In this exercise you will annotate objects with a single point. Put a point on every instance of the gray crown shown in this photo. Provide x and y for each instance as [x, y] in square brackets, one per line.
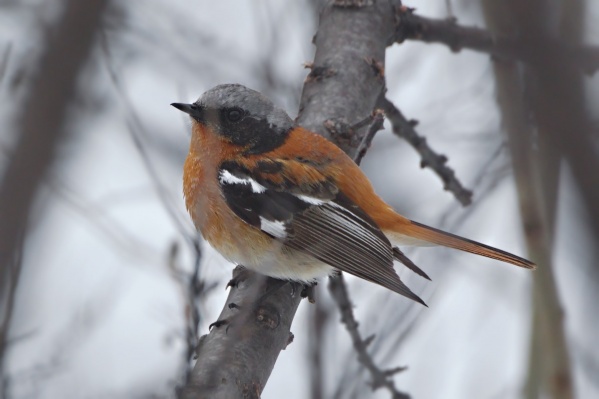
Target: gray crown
[256, 104]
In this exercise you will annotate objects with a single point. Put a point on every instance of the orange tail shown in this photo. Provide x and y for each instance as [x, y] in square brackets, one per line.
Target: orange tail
[438, 237]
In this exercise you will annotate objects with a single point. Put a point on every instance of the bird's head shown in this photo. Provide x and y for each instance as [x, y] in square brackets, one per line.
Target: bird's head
[240, 116]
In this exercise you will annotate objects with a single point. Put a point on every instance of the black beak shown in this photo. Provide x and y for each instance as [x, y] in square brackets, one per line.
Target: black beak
[191, 109]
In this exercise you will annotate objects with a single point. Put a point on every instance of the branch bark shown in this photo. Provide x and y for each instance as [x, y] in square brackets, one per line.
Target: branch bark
[342, 87]
[236, 359]
[504, 46]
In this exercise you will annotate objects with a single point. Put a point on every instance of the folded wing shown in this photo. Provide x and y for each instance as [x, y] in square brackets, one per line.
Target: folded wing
[312, 216]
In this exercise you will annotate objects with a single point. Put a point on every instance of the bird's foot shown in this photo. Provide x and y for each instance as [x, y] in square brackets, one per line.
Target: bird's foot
[226, 321]
[218, 324]
[239, 276]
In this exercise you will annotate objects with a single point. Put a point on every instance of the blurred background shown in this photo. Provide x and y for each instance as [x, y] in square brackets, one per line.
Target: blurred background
[100, 308]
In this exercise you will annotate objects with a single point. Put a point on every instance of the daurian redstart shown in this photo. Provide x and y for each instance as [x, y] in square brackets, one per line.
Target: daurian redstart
[287, 203]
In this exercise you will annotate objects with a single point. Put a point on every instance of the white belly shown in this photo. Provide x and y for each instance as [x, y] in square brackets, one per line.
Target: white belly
[279, 262]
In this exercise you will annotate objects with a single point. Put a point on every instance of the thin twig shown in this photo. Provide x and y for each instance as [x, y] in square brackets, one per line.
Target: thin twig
[380, 378]
[376, 123]
[404, 128]
[321, 316]
[458, 37]
[193, 290]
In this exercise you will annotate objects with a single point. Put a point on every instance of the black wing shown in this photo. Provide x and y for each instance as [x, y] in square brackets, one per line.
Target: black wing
[314, 218]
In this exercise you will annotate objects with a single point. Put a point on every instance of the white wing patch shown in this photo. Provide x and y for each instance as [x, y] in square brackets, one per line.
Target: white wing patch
[227, 178]
[275, 228]
[310, 200]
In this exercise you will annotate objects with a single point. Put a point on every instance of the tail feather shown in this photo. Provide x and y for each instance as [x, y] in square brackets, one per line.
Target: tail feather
[429, 234]
[401, 257]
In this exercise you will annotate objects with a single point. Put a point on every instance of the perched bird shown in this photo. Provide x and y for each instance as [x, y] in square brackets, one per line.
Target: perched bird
[287, 203]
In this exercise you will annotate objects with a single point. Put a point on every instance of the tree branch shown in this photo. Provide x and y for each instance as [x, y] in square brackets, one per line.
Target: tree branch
[380, 378]
[236, 358]
[457, 37]
[405, 129]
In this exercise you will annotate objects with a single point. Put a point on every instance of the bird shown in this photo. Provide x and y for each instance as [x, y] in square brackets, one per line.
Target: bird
[287, 203]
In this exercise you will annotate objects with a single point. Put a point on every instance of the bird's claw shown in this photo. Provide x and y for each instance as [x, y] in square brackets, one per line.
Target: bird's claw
[238, 278]
[218, 323]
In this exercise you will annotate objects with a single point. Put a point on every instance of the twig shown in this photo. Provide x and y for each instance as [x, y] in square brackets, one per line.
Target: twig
[193, 290]
[405, 129]
[321, 315]
[376, 123]
[457, 37]
[380, 378]
[350, 135]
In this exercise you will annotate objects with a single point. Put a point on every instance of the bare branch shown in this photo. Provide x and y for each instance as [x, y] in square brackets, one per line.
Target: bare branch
[236, 358]
[405, 129]
[457, 37]
[320, 317]
[380, 378]
[193, 291]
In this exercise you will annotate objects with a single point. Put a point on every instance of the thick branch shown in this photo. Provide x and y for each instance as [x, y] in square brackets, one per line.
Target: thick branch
[404, 128]
[236, 358]
[347, 74]
[511, 48]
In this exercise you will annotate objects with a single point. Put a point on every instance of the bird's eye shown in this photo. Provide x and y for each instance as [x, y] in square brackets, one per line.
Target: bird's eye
[234, 115]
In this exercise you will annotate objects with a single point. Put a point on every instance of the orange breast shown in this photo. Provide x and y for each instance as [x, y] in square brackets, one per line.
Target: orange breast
[227, 233]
